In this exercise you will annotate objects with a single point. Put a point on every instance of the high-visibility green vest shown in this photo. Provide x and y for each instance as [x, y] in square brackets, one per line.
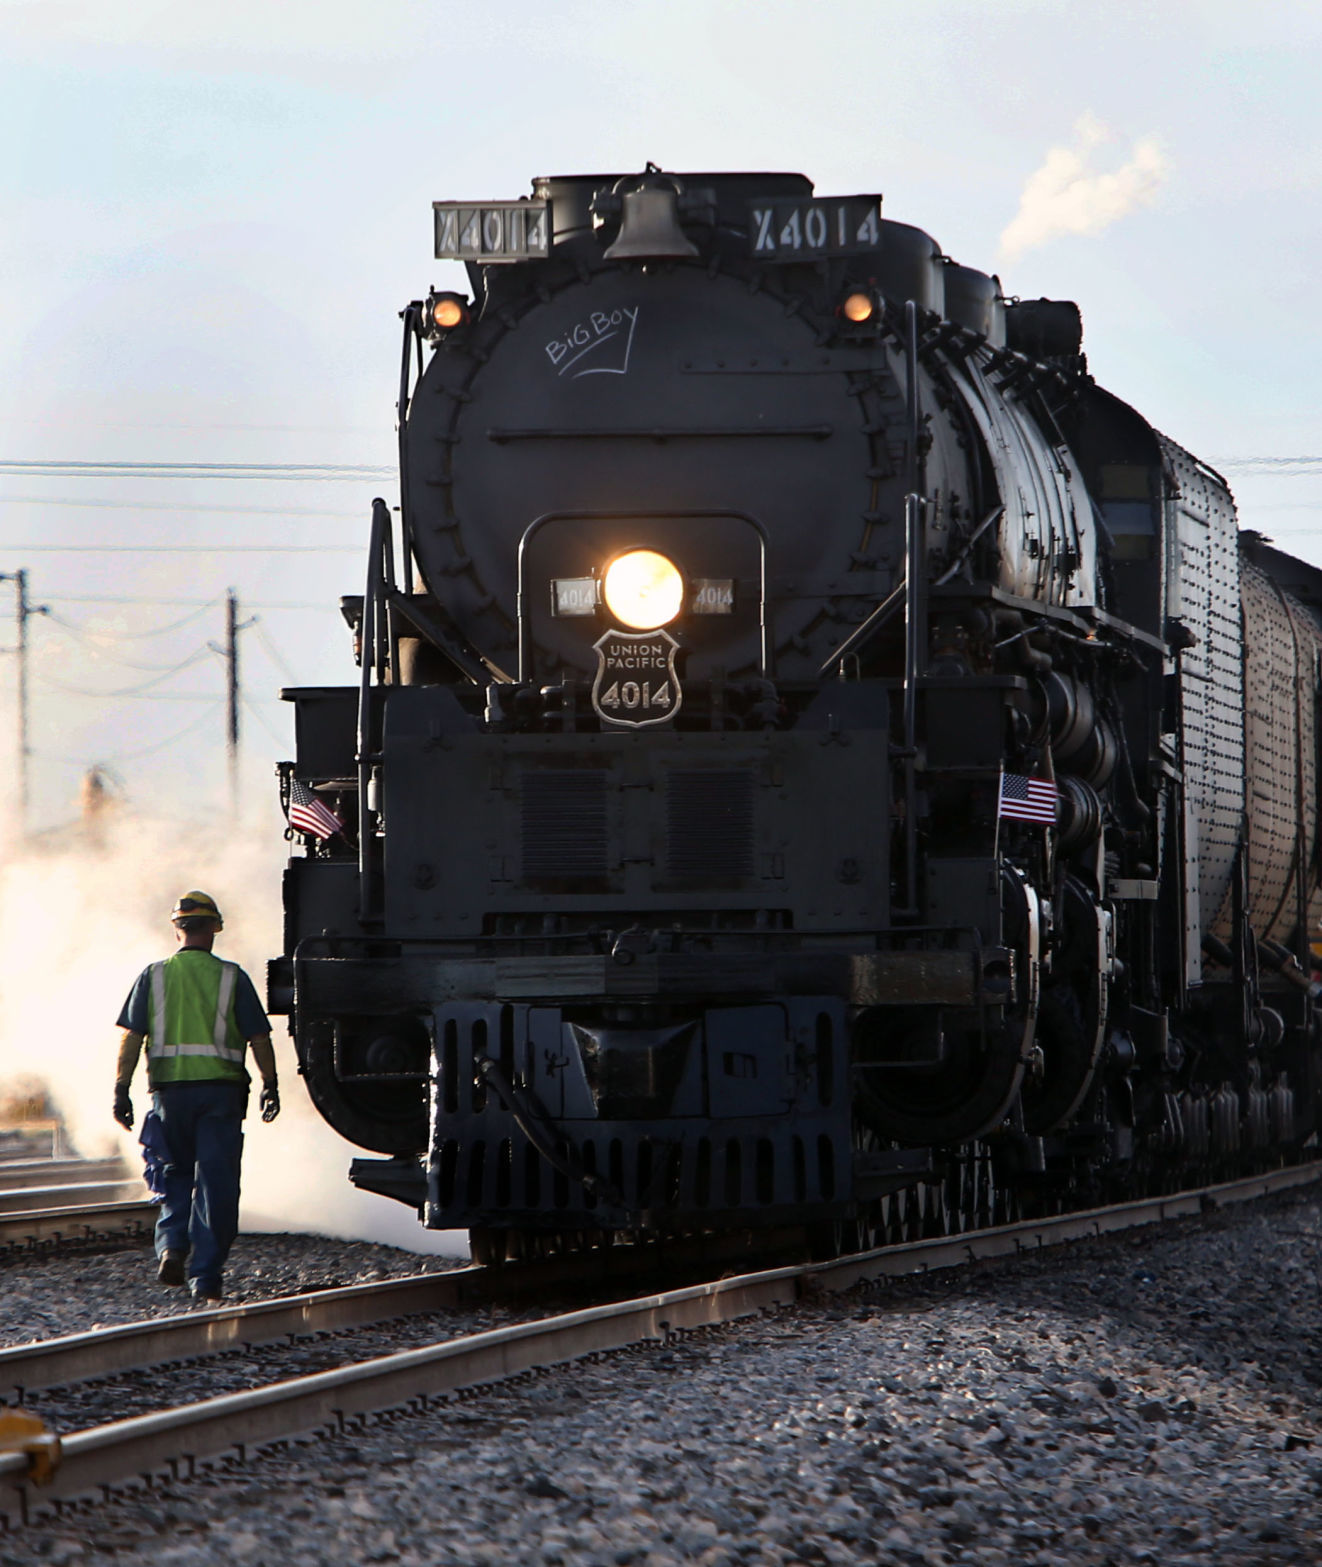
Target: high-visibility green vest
[192, 1035]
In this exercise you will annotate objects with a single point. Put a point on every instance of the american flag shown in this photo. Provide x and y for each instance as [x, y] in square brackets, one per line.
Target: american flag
[1027, 799]
[308, 814]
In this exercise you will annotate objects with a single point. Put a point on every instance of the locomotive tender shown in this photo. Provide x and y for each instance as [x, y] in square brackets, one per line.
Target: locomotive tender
[819, 760]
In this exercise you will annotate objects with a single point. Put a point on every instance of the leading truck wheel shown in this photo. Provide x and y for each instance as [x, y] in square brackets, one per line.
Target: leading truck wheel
[963, 1096]
[928, 1076]
[383, 1117]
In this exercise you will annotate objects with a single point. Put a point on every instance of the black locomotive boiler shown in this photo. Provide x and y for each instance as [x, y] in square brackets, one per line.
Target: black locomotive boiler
[819, 761]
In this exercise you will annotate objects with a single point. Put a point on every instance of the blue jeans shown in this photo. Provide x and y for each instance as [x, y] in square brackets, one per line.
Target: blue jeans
[203, 1126]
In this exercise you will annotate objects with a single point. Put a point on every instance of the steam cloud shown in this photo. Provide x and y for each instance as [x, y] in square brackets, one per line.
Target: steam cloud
[81, 913]
[1067, 196]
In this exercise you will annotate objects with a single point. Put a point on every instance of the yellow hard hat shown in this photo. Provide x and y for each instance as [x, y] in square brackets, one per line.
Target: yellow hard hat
[197, 905]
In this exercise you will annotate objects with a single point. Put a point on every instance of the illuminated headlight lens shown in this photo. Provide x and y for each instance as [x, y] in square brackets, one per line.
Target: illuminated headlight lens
[643, 590]
[859, 308]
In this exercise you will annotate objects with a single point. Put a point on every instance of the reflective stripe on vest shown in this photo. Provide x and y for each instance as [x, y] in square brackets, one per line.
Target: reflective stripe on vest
[180, 1017]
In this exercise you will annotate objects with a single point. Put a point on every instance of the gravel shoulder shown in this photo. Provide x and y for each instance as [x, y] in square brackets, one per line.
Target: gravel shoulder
[1148, 1398]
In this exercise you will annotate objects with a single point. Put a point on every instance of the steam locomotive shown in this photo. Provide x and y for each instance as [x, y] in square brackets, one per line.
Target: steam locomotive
[819, 762]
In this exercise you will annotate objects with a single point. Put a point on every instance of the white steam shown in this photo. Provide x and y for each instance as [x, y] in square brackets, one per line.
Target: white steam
[1068, 196]
[81, 913]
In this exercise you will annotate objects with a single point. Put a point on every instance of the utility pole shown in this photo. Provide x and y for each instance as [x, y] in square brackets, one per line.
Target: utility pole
[24, 611]
[230, 653]
[232, 693]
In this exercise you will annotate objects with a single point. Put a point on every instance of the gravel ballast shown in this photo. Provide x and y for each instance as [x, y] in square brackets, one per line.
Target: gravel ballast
[49, 1295]
[1146, 1398]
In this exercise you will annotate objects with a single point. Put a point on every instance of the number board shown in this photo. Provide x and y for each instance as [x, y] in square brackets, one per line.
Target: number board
[818, 226]
[496, 231]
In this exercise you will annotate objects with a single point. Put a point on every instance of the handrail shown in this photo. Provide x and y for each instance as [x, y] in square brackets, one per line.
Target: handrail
[379, 653]
[866, 629]
[412, 336]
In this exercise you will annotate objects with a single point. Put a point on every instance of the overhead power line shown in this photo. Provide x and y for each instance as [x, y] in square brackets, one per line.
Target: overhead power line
[161, 745]
[194, 470]
[283, 429]
[102, 634]
[94, 646]
[103, 598]
[281, 740]
[126, 691]
[182, 549]
[178, 507]
[165, 696]
[274, 653]
[236, 699]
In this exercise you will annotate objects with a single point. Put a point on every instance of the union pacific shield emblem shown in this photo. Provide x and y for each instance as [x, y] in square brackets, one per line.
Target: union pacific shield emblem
[636, 684]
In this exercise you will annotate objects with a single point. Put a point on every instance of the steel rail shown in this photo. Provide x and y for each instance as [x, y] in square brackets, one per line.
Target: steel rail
[1008, 1240]
[61, 1172]
[37, 1226]
[89, 1194]
[157, 1341]
[26, 1140]
[78, 1357]
[176, 1440]
[191, 1335]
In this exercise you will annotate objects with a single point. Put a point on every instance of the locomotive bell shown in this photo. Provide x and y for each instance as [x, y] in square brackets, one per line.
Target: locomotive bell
[649, 226]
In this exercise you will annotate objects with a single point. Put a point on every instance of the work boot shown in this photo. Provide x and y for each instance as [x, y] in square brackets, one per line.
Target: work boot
[205, 1292]
[171, 1270]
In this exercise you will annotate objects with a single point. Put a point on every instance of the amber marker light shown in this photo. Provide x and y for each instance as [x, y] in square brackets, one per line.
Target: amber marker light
[858, 308]
[448, 311]
[643, 589]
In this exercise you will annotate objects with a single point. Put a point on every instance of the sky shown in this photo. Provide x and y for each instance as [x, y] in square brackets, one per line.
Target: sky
[212, 216]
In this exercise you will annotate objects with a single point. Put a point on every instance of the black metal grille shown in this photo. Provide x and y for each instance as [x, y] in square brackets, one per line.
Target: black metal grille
[564, 824]
[709, 821]
[683, 1174]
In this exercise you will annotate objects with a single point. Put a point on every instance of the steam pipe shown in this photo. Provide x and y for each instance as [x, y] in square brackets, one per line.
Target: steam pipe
[915, 611]
[915, 637]
[915, 606]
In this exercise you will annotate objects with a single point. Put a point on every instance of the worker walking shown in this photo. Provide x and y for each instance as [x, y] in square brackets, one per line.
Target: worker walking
[197, 1015]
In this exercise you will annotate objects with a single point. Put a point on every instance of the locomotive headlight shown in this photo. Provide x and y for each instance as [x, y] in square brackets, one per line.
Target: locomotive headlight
[858, 307]
[643, 589]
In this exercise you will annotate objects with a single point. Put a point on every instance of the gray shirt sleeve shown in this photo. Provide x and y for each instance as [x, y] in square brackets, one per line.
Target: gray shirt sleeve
[249, 1013]
[134, 1013]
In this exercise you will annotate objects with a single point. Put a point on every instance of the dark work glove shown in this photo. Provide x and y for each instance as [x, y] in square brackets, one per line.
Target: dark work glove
[124, 1109]
[270, 1103]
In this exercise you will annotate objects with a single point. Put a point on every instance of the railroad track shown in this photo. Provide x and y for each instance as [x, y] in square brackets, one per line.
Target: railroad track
[130, 1219]
[32, 1140]
[60, 1201]
[43, 1471]
[90, 1194]
[18, 1173]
